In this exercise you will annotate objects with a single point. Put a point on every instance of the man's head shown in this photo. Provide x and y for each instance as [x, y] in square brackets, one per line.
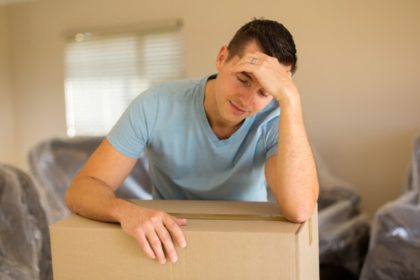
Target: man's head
[239, 94]
[272, 38]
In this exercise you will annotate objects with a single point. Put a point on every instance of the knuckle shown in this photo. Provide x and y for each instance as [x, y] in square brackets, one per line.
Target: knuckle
[160, 214]
[157, 217]
[177, 231]
[146, 226]
[154, 219]
[166, 240]
[155, 243]
[138, 231]
[170, 252]
[171, 224]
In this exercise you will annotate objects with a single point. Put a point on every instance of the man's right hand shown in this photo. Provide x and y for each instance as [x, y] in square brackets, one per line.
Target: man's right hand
[91, 194]
[155, 231]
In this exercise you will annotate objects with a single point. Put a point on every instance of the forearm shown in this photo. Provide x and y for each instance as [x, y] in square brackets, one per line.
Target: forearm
[93, 199]
[296, 184]
[154, 230]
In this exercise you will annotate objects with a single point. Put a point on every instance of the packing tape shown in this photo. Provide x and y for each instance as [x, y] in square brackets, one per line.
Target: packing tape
[310, 230]
[231, 217]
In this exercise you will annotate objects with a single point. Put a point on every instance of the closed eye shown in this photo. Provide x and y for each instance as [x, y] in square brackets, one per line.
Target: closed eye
[243, 81]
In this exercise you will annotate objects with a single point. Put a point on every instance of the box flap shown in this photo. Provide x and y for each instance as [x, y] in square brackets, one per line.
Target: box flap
[235, 211]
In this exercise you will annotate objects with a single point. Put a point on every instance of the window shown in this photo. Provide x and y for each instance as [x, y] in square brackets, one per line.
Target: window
[104, 72]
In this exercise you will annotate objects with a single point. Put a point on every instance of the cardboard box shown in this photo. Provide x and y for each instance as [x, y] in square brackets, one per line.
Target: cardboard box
[226, 240]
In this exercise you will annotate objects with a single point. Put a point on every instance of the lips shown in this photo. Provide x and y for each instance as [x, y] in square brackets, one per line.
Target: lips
[237, 109]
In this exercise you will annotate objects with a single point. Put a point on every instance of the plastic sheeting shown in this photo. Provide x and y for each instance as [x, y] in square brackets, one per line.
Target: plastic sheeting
[24, 239]
[345, 244]
[343, 229]
[343, 237]
[394, 251]
[332, 188]
[55, 162]
[395, 245]
[413, 182]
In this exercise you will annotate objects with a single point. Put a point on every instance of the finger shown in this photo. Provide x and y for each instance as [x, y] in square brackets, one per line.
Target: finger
[156, 245]
[175, 231]
[166, 239]
[180, 221]
[255, 58]
[249, 60]
[144, 244]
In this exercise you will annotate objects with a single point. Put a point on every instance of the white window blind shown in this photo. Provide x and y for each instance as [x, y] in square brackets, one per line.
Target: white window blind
[105, 72]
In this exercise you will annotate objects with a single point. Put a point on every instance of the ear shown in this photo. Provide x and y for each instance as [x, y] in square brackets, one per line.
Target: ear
[221, 56]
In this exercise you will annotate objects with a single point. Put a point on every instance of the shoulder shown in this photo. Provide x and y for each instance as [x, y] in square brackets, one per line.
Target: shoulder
[166, 93]
[176, 89]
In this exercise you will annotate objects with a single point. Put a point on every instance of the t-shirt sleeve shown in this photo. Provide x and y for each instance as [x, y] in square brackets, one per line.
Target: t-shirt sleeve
[272, 138]
[132, 131]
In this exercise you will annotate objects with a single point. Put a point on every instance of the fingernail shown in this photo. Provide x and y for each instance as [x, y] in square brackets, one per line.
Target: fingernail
[183, 244]
[162, 261]
[174, 259]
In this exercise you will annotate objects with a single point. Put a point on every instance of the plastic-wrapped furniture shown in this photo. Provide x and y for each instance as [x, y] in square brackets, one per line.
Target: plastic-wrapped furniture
[344, 239]
[413, 181]
[54, 163]
[24, 240]
[343, 229]
[332, 188]
[394, 250]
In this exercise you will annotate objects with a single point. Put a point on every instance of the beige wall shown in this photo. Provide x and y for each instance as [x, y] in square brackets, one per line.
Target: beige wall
[358, 71]
[7, 127]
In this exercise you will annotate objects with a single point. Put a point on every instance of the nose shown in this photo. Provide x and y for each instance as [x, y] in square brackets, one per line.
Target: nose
[247, 98]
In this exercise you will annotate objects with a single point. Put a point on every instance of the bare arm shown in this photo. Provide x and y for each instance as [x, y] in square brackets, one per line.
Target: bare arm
[291, 173]
[91, 194]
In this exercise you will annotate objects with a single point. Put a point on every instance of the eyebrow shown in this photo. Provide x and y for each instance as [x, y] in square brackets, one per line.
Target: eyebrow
[247, 75]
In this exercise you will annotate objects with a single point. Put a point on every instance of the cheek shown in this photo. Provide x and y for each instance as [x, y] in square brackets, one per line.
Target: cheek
[260, 103]
[233, 86]
[230, 90]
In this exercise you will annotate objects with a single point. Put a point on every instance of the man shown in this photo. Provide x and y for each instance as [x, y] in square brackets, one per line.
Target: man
[218, 138]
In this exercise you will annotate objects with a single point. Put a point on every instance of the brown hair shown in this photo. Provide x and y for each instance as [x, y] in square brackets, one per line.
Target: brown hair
[271, 36]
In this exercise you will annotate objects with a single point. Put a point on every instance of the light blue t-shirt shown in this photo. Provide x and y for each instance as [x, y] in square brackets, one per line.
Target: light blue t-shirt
[186, 158]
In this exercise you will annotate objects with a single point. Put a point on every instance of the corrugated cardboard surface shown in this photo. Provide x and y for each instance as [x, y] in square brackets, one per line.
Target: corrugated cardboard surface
[217, 249]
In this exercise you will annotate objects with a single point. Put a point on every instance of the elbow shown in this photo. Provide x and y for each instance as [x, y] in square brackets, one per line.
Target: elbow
[299, 217]
[299, 211]
[298, 214]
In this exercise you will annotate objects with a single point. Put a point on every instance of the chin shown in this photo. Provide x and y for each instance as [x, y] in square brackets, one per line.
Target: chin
[237, 119]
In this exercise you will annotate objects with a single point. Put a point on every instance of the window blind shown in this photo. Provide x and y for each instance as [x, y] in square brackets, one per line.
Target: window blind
[105, 72]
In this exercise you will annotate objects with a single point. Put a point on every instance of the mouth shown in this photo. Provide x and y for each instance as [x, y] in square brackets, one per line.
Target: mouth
[237, 109]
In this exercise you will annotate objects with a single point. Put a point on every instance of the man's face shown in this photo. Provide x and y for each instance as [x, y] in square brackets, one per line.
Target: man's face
[238, 95]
